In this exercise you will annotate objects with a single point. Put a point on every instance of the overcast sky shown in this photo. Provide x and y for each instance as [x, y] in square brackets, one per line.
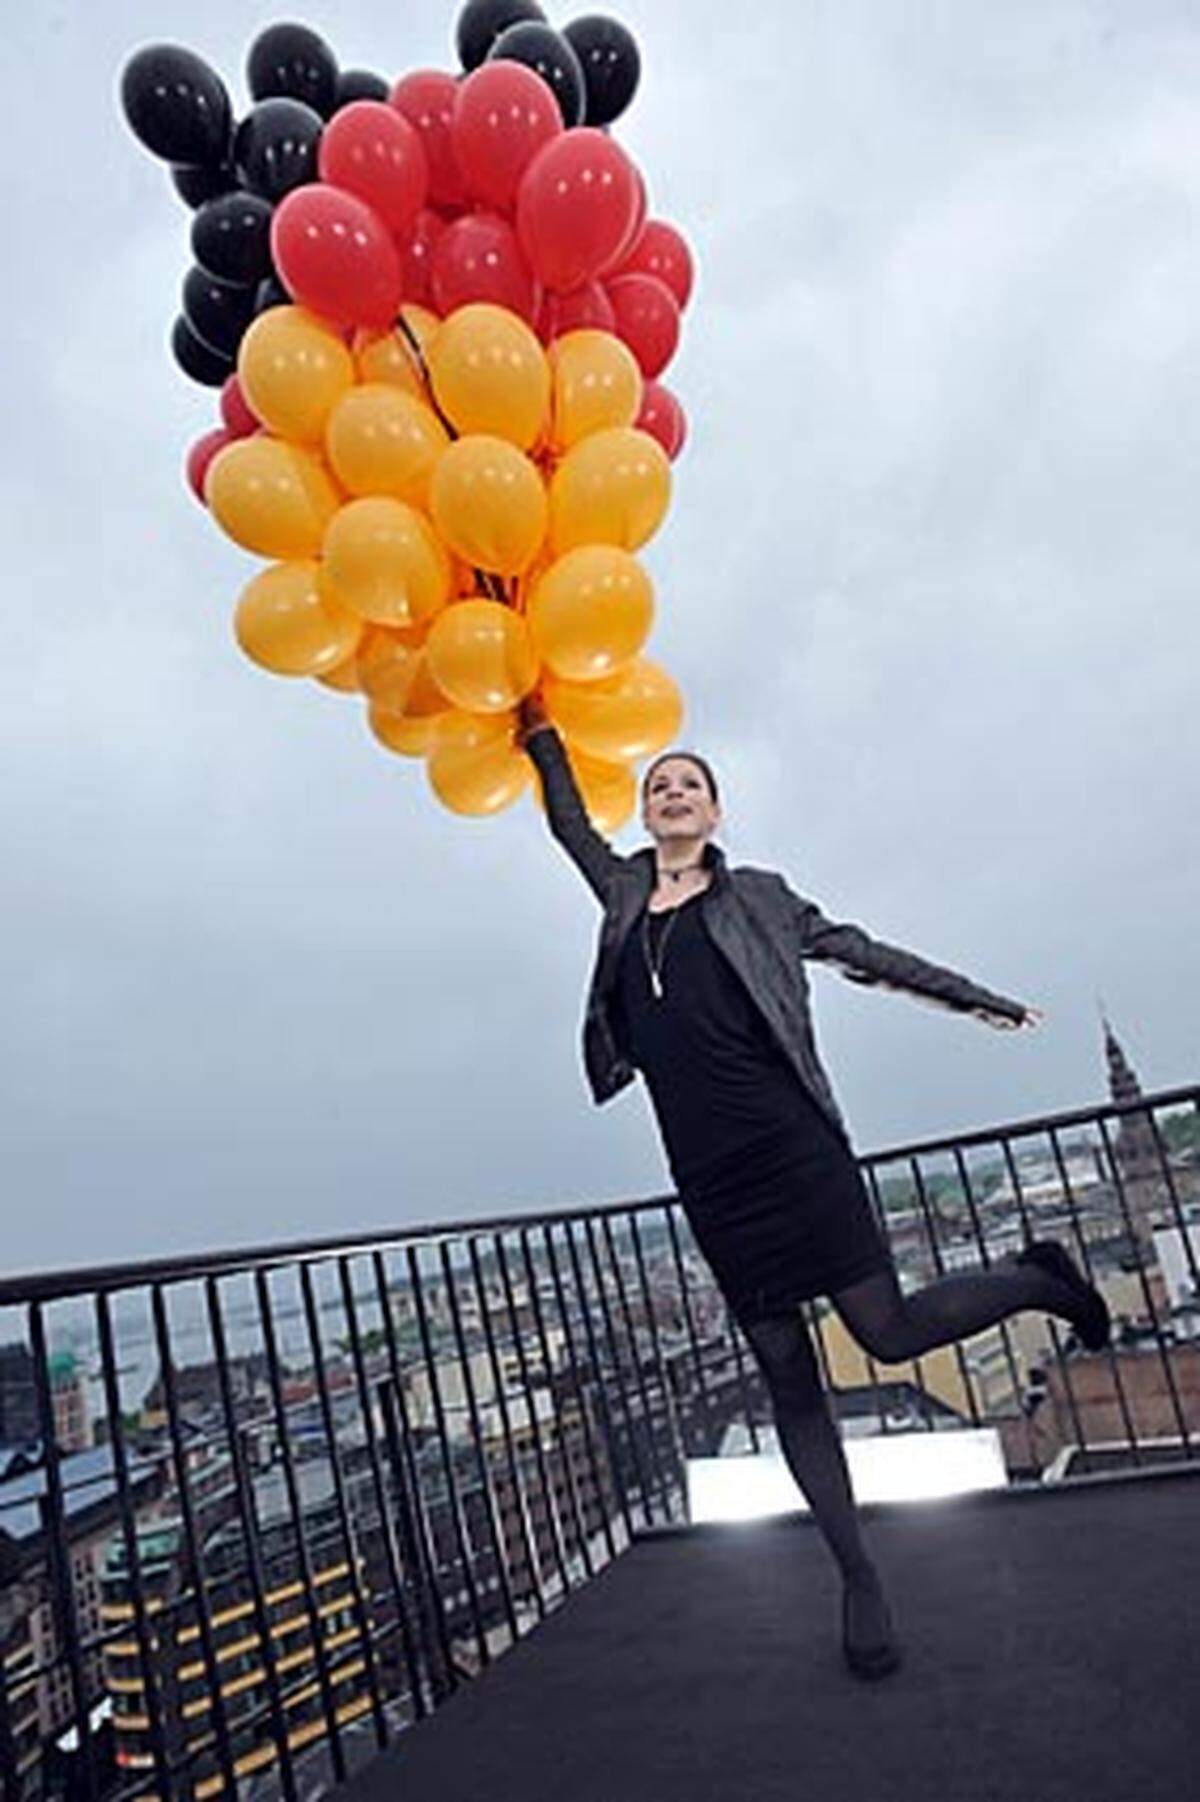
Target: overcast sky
[929, 585]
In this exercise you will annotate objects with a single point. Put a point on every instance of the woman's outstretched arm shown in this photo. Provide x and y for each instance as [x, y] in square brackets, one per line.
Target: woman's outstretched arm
[566, 814]
[860, 958]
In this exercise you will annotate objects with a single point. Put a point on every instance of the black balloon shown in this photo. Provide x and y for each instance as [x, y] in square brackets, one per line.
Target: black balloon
[195, 358]
[218, 312]
[270, 293]
[275, 147]
[292, 62]
[196, 184]
[231, 237]
[176, 105]
[611, 65]
[359, 84]
[549, 54]
[481, 21]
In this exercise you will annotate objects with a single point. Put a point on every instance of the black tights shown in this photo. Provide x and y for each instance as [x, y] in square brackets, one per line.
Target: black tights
[889, 1326]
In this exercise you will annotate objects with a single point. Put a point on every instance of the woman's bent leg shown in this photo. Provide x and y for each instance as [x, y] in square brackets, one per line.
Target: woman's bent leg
[890, 1325]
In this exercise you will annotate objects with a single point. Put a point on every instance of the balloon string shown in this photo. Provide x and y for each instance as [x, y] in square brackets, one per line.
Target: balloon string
[491, 585]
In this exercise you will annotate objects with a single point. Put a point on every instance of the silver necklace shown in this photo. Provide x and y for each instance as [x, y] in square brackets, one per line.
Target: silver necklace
[654, 969]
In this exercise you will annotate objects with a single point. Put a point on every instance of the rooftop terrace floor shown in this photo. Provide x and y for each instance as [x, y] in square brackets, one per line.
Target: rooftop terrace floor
[1052, 1640]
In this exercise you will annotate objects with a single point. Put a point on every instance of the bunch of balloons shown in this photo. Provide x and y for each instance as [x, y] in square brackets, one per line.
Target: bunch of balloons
[437, 318]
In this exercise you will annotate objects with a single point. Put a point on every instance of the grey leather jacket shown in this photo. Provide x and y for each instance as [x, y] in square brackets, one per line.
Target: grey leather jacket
[765, 929]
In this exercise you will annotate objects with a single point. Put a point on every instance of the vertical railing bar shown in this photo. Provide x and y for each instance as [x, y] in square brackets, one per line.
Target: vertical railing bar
[112, 1395]
[600, 1381]
[1059, 1357]
[1176, 1206]
[627, 1407]
[1014, 1375]
[660, 1363]
[247, 1516]
[885, 1426]
[457, 1510]
[481, 1463]
[938, 1264]
[514, 1473]
[394, 1556]
[312, 1608]
[584, 1412]
[195, 1548]
[568, 1465]
[606, 1226]
[63, 1611]
[553, 1521]
[686, 1303]
[1159, 1341]
[1081, 1243]
[421, 1571]
[13, 1784]
[349, 1540]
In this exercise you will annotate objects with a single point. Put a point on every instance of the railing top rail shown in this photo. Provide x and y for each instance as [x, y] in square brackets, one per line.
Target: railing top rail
[60, 1285]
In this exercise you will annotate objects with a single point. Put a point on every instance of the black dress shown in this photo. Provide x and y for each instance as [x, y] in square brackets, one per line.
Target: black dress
[771, 1190]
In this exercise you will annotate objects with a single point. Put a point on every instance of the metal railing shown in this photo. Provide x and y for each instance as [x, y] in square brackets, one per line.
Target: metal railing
[276, 1504]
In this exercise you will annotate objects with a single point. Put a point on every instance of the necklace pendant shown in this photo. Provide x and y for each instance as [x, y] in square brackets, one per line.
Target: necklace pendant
[656, 985]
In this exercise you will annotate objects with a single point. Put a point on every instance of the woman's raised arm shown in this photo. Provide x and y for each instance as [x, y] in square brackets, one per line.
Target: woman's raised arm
[566, 814]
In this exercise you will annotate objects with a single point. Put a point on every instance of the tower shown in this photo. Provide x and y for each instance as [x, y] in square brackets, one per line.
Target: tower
[1138, 1159]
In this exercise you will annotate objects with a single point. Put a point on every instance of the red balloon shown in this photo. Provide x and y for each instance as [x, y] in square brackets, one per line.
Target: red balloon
[235, 409]
[416, 255]
[201, 455]
[613, 265]
[663, 417]
[647, 319]
[426, 99]
[335, 257]
[503, 114]
[661, 250]
[478, 258]
[373, 151]
[576, 206]
[583, 309]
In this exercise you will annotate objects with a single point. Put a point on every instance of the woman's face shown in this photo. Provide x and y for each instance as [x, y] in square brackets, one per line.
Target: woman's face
[676, 802]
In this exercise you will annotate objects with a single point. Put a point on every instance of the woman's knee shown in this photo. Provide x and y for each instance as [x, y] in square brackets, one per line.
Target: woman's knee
[784, 1353]
[877, 1315]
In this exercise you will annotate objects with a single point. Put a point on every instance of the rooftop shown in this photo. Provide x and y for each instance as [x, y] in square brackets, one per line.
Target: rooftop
[1049, 1637]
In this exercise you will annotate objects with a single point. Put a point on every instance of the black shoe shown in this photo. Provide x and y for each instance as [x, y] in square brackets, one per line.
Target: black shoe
[877, 1659]
[1089, 1315]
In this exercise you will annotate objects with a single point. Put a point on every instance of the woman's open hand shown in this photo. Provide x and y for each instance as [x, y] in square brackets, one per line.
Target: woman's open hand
[1002, 1023]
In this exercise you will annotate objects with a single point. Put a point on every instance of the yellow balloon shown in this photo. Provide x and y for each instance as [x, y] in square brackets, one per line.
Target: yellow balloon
[474, 765]
[271, 497]
[380, 440]
[591, 612]
[488, 504]
[389, 356]
[401, 732]
[597, 385]
[612, 488]
[490, 374]
[343, 677]
[387, 665]
[384, 561]
[293, 369]
[287, 621]
[631, 714]
[608, 790]
[481, 655]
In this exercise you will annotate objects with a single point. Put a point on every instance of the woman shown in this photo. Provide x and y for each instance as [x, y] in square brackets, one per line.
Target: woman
[699, 984]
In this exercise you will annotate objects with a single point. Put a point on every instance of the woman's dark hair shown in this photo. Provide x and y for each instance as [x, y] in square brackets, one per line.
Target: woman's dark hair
[692, 757]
